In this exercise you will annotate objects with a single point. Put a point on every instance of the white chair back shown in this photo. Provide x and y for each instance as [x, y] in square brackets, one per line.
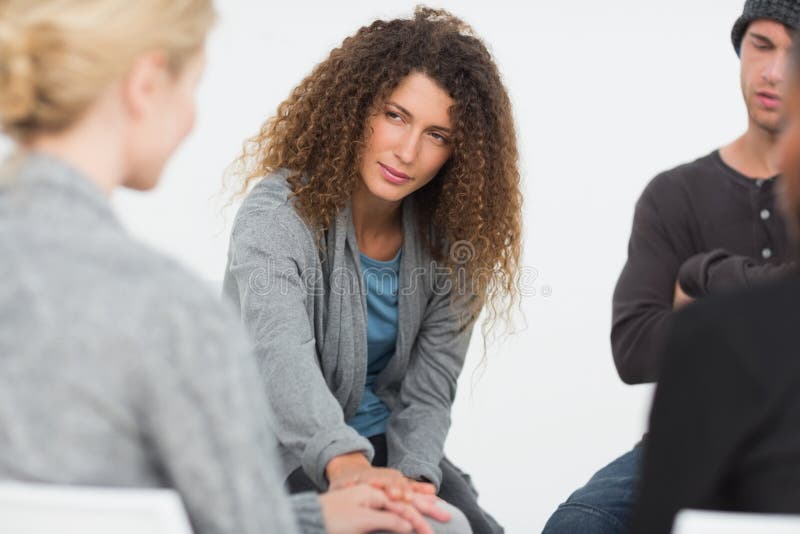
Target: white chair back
[704, 522]
[45, 509]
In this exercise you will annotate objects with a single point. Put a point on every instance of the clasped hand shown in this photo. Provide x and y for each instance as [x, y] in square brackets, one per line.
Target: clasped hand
[363, 498]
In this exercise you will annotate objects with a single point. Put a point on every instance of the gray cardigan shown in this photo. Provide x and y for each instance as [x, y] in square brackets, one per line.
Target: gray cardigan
[305, 307]
[119, 368]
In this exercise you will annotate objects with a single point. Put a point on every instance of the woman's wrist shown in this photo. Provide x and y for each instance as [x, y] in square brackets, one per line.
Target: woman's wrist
[344, 463]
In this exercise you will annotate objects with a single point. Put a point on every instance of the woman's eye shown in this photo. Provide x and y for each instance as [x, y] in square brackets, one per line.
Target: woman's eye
[439, 138]
[394, 116]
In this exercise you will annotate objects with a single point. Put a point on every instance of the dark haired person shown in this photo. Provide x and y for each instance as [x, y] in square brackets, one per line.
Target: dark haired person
[723, 429]
[702, 228]
[385, 215]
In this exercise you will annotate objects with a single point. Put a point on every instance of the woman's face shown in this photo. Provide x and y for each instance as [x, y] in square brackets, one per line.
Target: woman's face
[165, 119]
[408, 140]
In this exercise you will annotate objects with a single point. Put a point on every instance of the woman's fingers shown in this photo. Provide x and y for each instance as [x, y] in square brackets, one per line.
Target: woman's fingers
[373, 497]
[360, 510]
[404, 489]
[410, 514]
[378, 502]
[397, 492]
[429, 505]
[372, 520]
[393, 483]
[423, 487]
[396, 485]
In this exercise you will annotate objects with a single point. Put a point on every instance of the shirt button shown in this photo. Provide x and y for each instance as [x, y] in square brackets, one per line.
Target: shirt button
[765, 215]
[766, 253]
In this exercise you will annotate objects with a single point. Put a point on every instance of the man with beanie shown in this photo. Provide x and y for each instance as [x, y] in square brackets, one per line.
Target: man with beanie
[702, 228]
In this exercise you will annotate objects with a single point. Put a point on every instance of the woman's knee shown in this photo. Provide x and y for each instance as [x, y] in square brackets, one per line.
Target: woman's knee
[458, 523]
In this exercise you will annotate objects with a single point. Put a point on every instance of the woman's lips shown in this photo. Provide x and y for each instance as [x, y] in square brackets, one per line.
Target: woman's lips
[393, 175]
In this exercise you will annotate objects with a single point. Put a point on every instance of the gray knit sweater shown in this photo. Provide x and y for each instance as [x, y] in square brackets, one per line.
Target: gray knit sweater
[118, 368]
[305, 309]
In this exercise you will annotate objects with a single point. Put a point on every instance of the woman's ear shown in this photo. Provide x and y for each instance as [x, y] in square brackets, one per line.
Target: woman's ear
[143, 83]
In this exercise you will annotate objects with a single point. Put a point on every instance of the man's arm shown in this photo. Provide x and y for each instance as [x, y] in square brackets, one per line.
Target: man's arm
[719, 271]
[645, 291]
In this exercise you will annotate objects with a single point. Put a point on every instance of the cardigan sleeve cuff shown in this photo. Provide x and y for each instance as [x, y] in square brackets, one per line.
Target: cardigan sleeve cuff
[308, 512]
[328, 444]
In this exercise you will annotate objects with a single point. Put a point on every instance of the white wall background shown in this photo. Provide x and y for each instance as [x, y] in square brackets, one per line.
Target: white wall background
[606, 94]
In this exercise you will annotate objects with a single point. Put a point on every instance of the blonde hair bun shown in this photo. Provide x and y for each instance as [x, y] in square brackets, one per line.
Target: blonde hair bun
[17, 76]
[57, 56]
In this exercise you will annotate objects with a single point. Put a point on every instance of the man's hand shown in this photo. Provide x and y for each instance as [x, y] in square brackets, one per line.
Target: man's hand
[681, 298]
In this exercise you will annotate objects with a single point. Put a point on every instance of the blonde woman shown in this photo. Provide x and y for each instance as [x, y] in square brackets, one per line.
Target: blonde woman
[116, 366]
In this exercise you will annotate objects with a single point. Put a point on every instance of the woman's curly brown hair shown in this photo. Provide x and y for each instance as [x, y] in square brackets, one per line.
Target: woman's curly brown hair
[474, 202]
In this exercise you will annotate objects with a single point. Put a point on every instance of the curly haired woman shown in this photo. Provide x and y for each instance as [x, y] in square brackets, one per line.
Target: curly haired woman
[385, 215]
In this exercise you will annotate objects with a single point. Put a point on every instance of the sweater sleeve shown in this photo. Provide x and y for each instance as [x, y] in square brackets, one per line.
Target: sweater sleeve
[645, 291]
[308, 512]
[719, 271]
[266, 271]
[419, 423]
[705, 403]
[206, 418]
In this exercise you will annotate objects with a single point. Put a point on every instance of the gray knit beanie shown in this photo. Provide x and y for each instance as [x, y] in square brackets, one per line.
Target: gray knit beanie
[787, 12]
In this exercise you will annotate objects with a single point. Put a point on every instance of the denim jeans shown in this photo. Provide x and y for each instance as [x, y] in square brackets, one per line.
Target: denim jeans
[604, 504]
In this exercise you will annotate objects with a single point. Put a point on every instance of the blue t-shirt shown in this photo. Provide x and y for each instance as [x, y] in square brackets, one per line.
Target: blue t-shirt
[381, 282]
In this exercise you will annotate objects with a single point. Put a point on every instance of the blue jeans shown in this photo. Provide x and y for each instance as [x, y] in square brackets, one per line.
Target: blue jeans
[604, 504]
